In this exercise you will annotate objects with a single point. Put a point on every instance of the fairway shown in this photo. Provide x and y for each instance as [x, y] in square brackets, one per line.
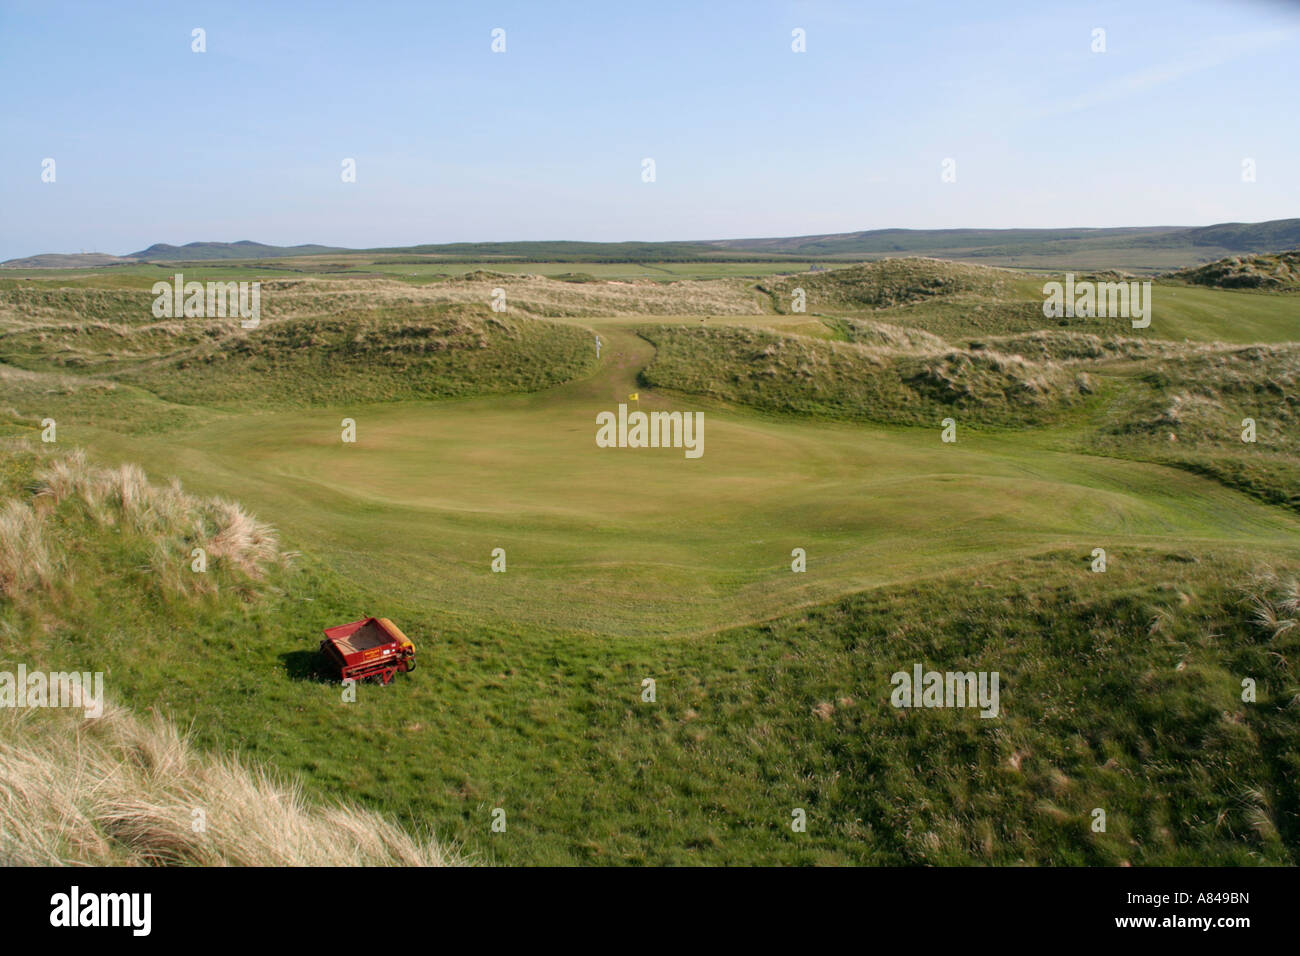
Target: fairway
[615, 542]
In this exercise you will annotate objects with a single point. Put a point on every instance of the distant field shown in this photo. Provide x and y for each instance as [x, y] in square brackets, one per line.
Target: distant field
[598, 270]
[135, 276]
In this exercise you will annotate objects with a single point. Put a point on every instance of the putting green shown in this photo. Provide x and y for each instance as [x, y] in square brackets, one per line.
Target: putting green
[647, 541]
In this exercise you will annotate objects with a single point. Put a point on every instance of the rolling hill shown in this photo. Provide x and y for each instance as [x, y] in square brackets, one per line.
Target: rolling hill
[1139, 248]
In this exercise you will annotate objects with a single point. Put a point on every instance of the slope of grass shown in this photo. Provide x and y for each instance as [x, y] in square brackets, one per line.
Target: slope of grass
[986, 302]
[1119, 691]
[888, 282]
[154, 531]
[77, 544]
[388, 355]
[910, 385]
[1190, 409]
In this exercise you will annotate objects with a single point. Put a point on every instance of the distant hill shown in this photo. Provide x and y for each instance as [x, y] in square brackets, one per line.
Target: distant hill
[244, 249]
[58, 260]
[1274, 273]
[893, 241]
[162, 252]
[1144, 248]
[1272, 236]
[1233, 237]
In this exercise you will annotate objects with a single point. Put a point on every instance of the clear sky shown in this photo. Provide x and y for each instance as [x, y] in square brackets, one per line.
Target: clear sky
[155, 143]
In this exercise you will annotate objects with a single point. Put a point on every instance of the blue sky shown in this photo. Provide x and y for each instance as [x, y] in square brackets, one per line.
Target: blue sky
[155, 143]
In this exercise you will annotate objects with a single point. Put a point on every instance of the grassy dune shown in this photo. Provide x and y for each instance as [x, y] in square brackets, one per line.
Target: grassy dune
[1272, 273]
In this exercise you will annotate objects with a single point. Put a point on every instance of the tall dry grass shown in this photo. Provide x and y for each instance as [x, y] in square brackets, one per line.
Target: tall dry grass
[25, 559]
[1274, 601]
[119, 790]
[174, 521]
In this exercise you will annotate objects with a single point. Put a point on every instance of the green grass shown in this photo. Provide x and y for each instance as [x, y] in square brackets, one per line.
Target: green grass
[1179, 312]
[651, 542]
[1118, 690]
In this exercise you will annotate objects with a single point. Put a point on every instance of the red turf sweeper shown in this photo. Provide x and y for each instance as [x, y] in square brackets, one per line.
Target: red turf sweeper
[371, 648]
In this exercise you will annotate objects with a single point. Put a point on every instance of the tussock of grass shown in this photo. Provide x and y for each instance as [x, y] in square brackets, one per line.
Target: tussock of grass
[25, 560]
[117, 790]
[1274, 600]
[887, 334]
[73, 499]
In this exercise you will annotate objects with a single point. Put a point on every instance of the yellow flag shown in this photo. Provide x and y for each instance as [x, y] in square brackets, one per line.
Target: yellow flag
[634, 397]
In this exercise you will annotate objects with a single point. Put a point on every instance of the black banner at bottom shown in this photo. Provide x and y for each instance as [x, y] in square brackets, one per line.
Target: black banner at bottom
[335, 906]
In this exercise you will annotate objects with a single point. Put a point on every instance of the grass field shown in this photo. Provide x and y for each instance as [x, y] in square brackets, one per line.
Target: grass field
[822, 432]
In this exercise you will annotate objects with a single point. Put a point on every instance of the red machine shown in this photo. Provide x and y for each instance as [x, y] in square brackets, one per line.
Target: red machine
[371, 647]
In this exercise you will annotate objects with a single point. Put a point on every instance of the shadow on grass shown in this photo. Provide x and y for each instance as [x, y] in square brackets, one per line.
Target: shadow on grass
[308, 666]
